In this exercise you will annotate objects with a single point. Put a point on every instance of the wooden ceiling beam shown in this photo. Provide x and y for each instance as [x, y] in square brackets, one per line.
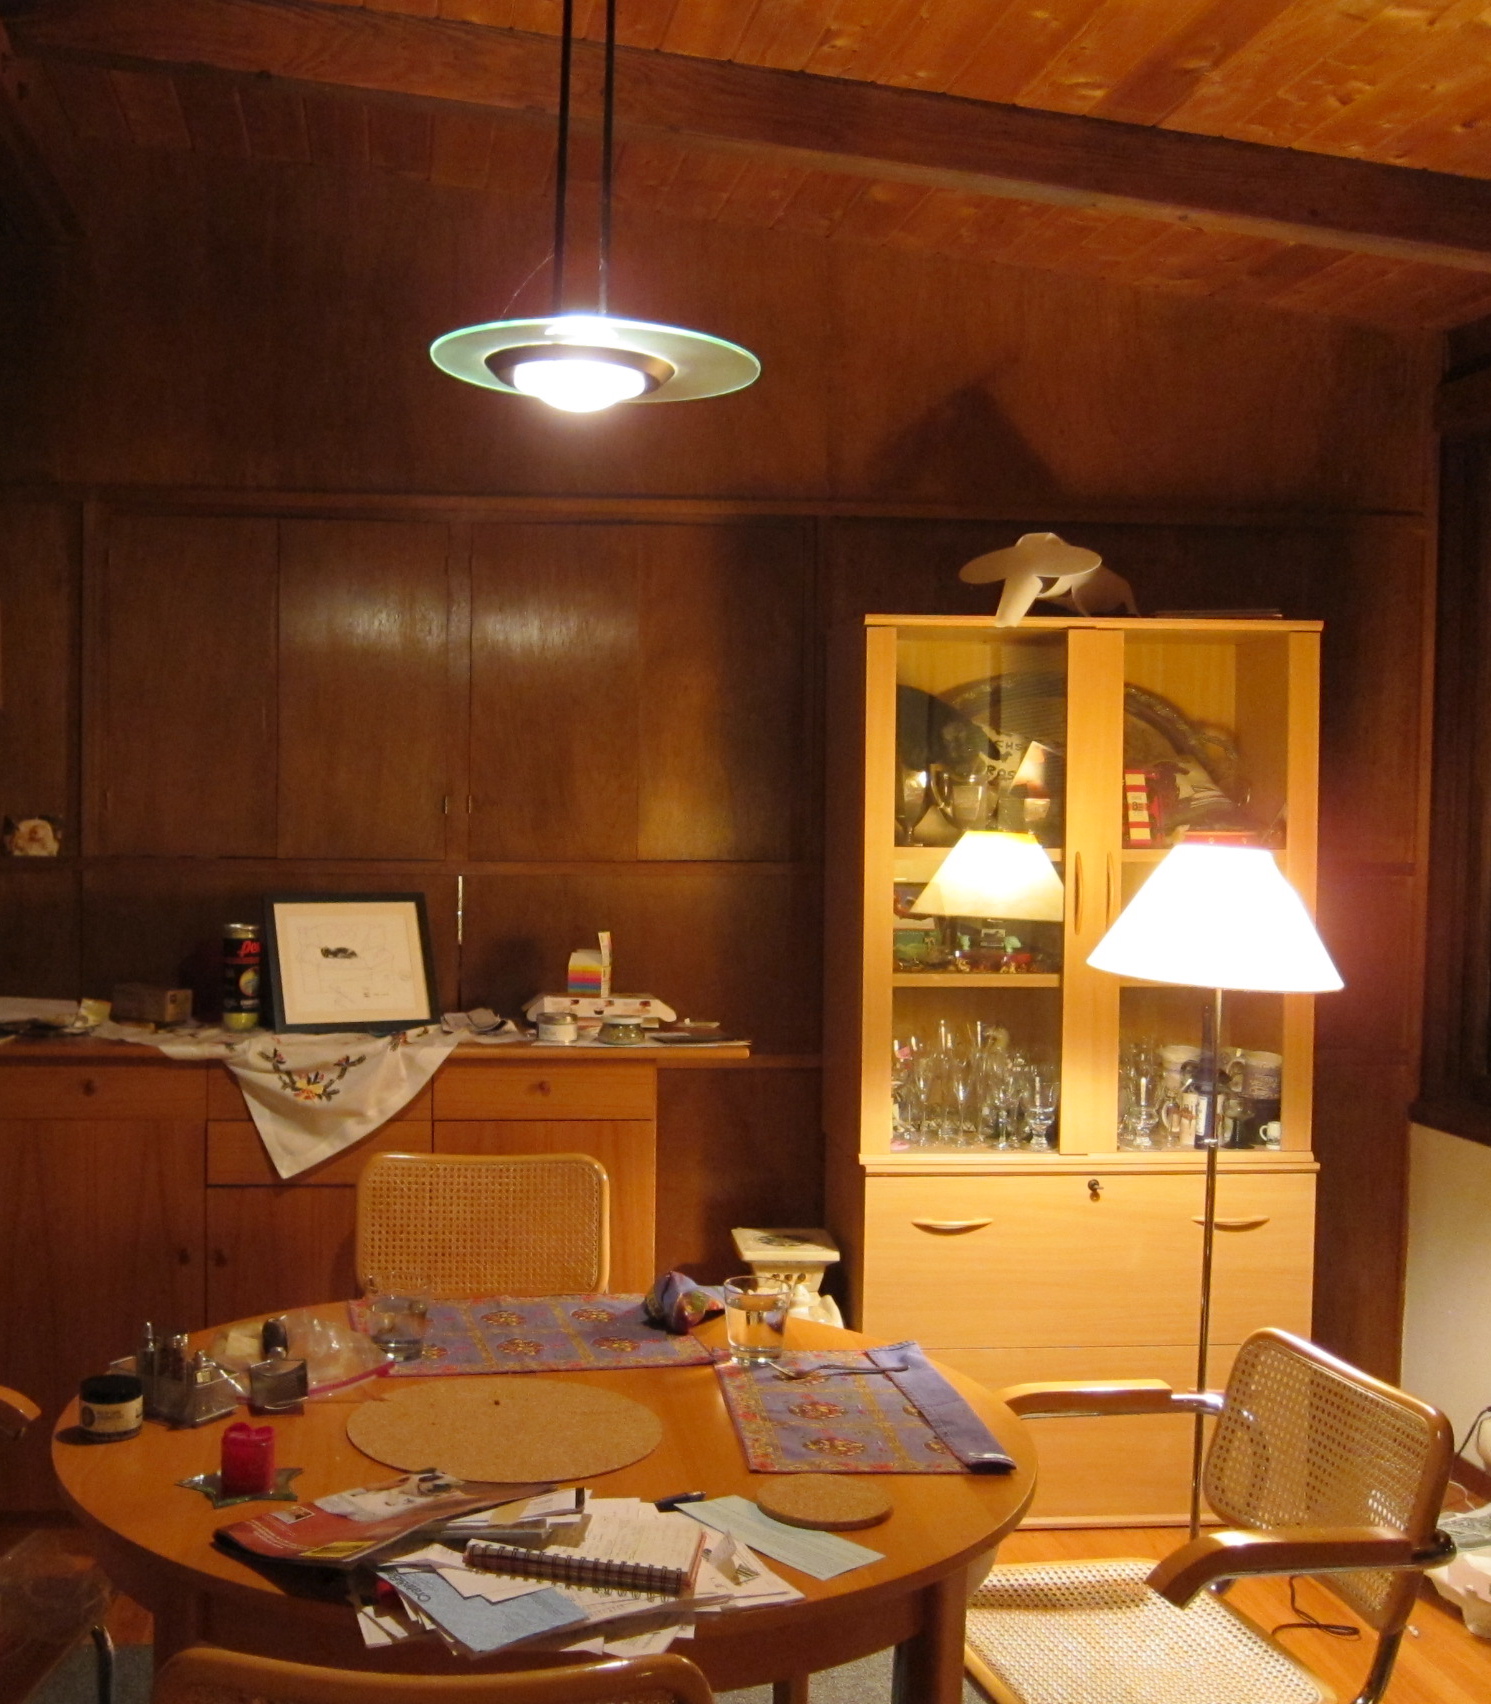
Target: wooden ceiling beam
[824, 124]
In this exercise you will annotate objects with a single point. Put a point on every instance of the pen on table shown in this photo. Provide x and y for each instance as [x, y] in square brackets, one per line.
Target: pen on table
[666, 1503]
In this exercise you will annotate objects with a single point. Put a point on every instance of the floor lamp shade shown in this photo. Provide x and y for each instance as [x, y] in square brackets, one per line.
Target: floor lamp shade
[993, 874]
[1218, 917]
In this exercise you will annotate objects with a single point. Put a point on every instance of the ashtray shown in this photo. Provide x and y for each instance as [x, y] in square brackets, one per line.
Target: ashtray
[211, 1487]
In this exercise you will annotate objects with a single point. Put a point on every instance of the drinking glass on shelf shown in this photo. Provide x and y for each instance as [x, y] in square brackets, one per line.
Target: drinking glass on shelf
[1039, 1094]
[1007, 1082]
[1141, 1090]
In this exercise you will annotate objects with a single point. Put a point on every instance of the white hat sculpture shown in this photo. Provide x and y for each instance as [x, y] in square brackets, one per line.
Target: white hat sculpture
[1043, 565]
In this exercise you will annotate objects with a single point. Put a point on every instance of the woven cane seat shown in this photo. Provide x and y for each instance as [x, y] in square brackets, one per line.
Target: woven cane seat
[1082, 1632]
[450, 1225]
[1304, 1443]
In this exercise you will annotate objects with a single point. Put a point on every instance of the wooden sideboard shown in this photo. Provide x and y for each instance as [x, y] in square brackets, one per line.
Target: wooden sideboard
[136, 1188]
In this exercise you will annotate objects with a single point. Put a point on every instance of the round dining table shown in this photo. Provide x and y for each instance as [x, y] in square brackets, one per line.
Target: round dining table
[154, 1539]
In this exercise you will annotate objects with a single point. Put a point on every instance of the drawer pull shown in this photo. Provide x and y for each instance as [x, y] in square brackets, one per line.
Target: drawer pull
[950, 1227]
[1095, 1188]
[541, 1087]
[1236, 1224]
[89, 1086]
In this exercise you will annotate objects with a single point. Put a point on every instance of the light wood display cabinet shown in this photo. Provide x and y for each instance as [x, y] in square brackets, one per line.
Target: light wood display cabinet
[999, 1189]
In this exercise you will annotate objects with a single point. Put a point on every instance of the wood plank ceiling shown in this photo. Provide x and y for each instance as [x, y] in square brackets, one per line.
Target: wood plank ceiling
[1402, 83]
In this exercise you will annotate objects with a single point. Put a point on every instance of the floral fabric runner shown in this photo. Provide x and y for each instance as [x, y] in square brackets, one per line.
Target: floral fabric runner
[537, 1334]
[838, 1423]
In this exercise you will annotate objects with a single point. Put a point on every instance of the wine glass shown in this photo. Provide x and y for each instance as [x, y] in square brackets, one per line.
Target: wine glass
[1141, 1088]
[1040, 1092]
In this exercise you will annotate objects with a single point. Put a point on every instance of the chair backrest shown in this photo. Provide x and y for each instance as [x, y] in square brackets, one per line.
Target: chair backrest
[205, 1675]
[1307, 1440]
[484, 1224]
[17, 1411]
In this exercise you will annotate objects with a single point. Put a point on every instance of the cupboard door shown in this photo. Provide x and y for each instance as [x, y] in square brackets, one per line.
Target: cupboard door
[663, 666]
[181, 715]
[364, 689]
[272, 1249]
[103, 1231]
[627, 1148]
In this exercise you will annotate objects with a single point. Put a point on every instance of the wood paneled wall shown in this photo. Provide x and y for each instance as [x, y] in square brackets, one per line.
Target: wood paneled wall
[284, 607]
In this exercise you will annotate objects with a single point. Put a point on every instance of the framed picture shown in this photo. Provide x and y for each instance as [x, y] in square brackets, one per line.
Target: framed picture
[349, 961]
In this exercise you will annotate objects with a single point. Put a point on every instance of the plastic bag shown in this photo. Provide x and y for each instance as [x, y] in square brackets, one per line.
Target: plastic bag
[334, 1352]
[50, 1590]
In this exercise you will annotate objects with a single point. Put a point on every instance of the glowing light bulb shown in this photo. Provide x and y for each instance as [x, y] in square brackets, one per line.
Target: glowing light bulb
[576, 385]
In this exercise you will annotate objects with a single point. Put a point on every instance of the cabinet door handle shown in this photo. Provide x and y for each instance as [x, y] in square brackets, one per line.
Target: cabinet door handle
[219, 1258]
[951, 1227]
[1108, 906]
[1245, 1224]
[183, 1257]
[89, 1086]
[1076, 893]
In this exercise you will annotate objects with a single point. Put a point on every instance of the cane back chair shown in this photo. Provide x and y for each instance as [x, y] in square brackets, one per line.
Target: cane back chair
[451, 1225]
[205, 1675]
[1314, 1467]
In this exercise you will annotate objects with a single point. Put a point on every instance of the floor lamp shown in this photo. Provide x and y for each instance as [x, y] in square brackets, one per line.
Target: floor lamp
[1219, 916]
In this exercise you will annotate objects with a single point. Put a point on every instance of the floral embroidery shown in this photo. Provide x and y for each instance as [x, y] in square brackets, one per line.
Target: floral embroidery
[936, 1446]
[434, 1352]
[310, 1085]
[828, 1444]
[502, 1316]
[601, 1315]
[521, 1346]
[618, 1345]
[811, 1410]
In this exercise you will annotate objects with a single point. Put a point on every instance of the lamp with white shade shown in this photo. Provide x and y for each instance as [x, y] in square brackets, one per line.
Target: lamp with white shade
[1216, 915]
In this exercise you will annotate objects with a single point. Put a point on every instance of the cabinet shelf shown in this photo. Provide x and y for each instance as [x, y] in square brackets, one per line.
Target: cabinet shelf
[974, 979]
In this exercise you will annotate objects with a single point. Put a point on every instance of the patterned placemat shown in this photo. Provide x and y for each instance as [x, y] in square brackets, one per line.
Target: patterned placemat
[832, 1423]
[533, 1334]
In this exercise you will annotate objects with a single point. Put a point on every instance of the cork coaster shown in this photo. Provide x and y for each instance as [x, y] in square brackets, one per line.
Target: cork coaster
[828, 1502]
[514, 1428]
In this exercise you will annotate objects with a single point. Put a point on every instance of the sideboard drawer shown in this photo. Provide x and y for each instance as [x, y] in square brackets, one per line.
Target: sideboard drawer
[146, 1090]
[545, 1091]
[237, 1156]
[225, 1098]
[1022, 1260]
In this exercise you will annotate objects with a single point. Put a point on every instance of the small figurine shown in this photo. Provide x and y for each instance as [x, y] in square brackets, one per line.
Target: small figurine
[32, 837]
[1043, 565]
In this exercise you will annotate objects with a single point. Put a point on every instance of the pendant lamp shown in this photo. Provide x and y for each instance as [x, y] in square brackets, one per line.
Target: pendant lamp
[588, 361]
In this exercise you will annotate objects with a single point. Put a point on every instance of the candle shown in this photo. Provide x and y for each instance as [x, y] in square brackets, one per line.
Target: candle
[248, 1460]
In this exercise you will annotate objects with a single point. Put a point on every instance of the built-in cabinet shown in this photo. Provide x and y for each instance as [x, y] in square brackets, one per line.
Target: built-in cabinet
[1019, 1232]
[138, 1188]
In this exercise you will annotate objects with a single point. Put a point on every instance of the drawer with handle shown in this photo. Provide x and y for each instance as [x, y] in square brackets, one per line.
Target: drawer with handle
[144, 1090]
[1098, 1258]
[558, 1090]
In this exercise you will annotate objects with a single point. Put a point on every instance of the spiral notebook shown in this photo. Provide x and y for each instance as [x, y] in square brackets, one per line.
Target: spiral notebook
[625, 1549]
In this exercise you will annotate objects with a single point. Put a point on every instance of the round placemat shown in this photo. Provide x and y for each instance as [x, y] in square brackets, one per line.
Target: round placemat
[829, 1502]
[513, 1428]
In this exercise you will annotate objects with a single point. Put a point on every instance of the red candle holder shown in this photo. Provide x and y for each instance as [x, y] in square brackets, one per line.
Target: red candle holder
[248, 1460]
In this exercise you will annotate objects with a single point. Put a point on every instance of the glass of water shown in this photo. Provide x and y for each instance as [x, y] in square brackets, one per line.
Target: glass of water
[397, 1322]
[756, 1318]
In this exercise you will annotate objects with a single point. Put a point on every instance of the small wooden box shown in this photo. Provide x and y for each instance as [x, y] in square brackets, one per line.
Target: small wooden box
[141, 1003]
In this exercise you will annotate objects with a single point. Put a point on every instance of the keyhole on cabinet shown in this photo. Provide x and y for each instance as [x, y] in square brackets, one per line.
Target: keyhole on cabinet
[1095, 1188]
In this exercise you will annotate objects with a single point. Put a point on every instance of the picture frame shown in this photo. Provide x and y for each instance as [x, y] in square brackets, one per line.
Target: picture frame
[349, 961]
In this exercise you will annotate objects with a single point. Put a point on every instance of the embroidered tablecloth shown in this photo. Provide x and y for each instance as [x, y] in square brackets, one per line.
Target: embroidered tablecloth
[533, 1334]
[834, 1424]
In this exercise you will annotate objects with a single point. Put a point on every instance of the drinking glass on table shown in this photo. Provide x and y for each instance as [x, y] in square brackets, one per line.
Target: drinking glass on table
[397, 1321]
[756, 1318]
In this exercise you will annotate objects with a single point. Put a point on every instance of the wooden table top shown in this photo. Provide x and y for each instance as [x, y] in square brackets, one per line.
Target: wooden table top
[155, 1538]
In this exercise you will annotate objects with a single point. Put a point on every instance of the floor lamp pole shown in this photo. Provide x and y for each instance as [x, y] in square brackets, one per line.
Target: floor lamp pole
[1211, 1071]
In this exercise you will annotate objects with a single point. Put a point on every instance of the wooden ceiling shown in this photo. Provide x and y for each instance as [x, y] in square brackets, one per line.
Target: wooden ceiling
[1329, 156]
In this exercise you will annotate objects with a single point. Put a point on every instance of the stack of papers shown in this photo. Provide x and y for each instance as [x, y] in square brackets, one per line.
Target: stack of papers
[479, 1610]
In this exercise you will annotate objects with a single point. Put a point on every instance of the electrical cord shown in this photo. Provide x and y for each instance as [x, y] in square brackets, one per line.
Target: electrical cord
[1336, 1629]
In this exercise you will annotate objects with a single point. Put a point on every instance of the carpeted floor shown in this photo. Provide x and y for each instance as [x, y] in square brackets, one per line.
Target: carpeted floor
[72, 1682]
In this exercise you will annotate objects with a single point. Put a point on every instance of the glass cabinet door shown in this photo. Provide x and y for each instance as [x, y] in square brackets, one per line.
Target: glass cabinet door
[1220, 738]
[978, 802]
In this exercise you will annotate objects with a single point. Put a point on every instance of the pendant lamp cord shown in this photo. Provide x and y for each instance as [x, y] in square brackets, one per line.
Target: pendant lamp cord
[561, 169]
[608, 126]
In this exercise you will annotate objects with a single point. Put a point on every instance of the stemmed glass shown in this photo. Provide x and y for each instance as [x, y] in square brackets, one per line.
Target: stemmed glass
[1039, 1093]
[1141, 1086]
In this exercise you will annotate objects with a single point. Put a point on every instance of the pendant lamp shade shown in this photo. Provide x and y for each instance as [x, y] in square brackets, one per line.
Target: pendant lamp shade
[993, 874]
[1218, 917]
[585, 362]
